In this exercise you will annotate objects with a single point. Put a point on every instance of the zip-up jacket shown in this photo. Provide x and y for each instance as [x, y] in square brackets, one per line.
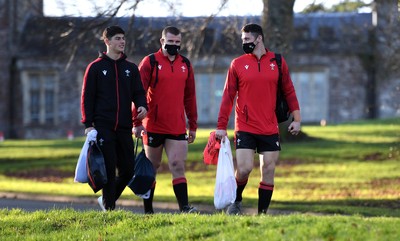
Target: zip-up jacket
[109, 88]
[172, 99]
[255, 83]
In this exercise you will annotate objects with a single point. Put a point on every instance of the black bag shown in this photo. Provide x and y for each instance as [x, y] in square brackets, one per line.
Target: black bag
[96, 168]
[144, 175]
[282, 109]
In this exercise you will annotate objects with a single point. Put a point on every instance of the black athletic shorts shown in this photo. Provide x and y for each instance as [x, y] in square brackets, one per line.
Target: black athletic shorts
[156, 139]
[260, 143]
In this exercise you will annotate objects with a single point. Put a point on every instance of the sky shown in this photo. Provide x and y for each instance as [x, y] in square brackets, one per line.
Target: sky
[153, 8]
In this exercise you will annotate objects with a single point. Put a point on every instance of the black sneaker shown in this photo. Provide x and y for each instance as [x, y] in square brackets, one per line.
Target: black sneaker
[149, 212]
[189, 209]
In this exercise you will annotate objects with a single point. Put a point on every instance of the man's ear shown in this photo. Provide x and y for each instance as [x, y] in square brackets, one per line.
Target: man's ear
[106, 41]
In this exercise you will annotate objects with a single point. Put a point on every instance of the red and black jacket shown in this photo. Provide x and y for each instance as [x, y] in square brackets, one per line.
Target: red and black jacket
[109, 88]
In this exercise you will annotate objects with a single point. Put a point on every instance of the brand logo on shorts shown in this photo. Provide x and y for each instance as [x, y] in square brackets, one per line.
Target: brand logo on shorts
[238, 142]
[150, 139]
[101, 141]
[277, 143]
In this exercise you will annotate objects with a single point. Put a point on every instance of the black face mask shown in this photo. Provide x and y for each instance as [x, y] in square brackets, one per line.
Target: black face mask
[172, 49]
[248, 48]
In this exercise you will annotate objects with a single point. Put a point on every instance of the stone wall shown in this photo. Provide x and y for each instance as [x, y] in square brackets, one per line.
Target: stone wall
[347, 80]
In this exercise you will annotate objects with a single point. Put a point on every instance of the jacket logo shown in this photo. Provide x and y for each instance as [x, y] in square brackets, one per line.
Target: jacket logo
[159, 66]
[183, 69]
[246, 66]
[105, 72]
[272, 66]
[127, 72]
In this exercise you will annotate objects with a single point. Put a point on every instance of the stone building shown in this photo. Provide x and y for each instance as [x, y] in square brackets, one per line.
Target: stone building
[332, 63]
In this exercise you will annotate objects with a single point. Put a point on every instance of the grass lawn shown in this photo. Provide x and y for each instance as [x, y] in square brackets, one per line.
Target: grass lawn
[351, 168]
[121, 225]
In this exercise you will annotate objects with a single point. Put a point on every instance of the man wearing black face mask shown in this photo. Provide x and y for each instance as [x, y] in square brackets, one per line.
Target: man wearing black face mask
[171, 95]
[248, 48]
[253, 77]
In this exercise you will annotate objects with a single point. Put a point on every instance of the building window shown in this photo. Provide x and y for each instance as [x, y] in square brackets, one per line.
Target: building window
[40, 98]
[312, 93]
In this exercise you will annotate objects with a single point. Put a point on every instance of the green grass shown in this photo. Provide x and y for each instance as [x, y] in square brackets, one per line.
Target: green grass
[121, 225]
[351, 168]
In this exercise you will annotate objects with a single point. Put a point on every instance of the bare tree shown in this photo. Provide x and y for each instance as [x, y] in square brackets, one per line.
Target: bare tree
[277, 20]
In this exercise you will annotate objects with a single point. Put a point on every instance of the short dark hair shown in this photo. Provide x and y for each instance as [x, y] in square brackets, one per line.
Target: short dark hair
[109, 32]
[170, 29]
[254, 29]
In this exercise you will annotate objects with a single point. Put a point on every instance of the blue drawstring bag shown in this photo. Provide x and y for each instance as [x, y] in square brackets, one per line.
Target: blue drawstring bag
[144, 175]
[96, 168]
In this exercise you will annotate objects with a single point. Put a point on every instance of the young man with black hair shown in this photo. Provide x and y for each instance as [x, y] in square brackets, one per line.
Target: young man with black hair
[110, 84]
[253, 77]
[171, 95]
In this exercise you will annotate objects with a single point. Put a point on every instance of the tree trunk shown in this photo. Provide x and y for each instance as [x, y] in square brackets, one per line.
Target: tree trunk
[387, 59]
[277, 22]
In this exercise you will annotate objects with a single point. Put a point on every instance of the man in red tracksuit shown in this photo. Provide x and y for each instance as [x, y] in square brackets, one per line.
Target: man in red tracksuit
[253, 77]
[110, 85]
[171, 97]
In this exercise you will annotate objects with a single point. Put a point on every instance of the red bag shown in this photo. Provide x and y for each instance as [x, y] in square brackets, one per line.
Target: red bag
[211, 151]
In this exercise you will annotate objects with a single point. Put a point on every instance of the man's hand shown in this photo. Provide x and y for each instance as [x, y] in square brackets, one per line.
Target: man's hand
[141, 113]
[87, 130]
[294, 128]
[220, 134]
[192, 136]
[138, 131]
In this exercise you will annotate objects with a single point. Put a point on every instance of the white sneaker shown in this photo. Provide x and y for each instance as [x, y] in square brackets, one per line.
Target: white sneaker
[100, 201]
[234, 208]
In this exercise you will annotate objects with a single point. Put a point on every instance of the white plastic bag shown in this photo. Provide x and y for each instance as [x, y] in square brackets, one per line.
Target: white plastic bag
[225, 182]
[81, 174]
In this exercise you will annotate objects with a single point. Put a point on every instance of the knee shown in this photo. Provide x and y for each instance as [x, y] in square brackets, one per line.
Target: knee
[177, 166]
[268, 171]
[243, 173]
[156, 165]
[270, 166]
